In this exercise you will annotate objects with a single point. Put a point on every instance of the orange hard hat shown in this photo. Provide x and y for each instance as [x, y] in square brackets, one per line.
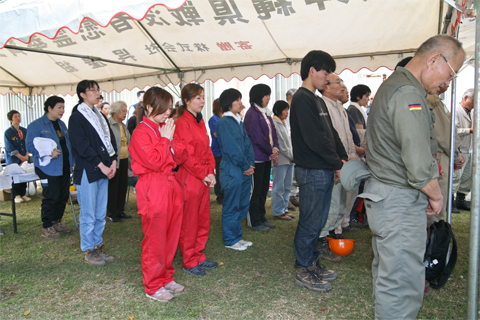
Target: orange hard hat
[341, 247]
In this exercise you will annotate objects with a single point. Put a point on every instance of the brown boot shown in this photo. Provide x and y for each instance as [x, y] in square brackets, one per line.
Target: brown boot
[106, 257]
[325, 251]
[93, 258]
[60, 227]
[50, 233]
[307, 277]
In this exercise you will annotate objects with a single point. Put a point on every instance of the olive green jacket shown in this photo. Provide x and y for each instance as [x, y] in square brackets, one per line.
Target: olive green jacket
[401, 142]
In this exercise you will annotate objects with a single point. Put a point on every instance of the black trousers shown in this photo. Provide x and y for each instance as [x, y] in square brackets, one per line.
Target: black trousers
[218, 187]
[117, 190]
[261, 180]
[20, 189]
[55, 197]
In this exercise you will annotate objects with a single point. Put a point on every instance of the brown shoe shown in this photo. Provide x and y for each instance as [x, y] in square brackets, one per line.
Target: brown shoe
[93, 258]
[294, 201]
[50, 233]
[325, 274]
[291, 207]
[106, 257]
[61, 228]
[282, 217]
[325, 252]
[307, 277]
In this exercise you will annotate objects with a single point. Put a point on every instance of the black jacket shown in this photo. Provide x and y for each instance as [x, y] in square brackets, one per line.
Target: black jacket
[316, 144]
[88, 149]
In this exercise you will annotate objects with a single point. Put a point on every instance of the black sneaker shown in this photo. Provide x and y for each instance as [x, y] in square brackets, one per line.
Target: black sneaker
[461, 203]
[114, 219]
[308, 278]
[269, 225]
[349, 229]
[207, 264]
[125, 216]
[356, 224]
[195, 271]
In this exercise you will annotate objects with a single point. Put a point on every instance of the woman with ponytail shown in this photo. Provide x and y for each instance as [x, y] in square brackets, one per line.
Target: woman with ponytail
[196, 176]
[159, 196]
[94, 152]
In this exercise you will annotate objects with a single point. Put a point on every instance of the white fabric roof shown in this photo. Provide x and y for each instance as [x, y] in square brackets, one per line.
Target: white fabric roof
[203, 39]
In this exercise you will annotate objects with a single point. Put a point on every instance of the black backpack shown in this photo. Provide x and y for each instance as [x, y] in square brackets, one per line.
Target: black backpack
[439, 236]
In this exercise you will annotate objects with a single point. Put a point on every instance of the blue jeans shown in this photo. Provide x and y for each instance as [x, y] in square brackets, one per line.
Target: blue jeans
[93, 198]
[282, 183]
[314, 196]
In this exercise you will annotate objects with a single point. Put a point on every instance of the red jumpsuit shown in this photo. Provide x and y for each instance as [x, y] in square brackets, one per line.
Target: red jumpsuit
[159, 201]
[196, 211]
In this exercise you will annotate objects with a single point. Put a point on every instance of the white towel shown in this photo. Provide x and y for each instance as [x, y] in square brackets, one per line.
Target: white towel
[45, 148]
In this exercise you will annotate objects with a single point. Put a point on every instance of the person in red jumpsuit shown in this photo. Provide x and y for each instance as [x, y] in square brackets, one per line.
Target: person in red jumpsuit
[159, 196]
[195, 176]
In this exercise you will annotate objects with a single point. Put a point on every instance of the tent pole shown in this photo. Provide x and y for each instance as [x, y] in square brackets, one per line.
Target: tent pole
[451, 162]
[472, 298]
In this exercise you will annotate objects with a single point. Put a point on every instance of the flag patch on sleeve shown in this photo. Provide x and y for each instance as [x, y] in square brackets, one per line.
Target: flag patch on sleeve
[415, 106]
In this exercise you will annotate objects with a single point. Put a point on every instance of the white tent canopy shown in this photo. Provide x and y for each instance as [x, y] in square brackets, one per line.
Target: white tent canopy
[124, 45]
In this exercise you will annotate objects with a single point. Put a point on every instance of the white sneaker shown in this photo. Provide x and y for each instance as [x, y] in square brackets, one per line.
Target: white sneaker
[245, 243]
[18, 199]
[26, 199]
[237, 246]
[161, 295]
[174, 287]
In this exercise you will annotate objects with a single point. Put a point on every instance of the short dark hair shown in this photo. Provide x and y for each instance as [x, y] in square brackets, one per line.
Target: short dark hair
[139, 93]
[257, 93]
[228, 97]
[10, 114]
[52, 102]
[318, 59]
[402, 63]
[358, 92]
[82, 87]
[279, 106]
[101, 97]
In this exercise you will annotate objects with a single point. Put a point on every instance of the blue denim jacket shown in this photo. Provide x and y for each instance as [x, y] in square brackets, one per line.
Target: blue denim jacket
[14, 145]
[43, 127]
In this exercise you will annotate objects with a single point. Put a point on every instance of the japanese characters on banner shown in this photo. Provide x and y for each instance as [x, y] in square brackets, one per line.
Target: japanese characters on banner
[222, 38]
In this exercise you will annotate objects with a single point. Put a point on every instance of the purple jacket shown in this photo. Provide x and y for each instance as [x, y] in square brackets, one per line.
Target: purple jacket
[257, 131]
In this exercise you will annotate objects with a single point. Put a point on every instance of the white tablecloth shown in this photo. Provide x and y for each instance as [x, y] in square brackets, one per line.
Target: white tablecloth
[6, 181]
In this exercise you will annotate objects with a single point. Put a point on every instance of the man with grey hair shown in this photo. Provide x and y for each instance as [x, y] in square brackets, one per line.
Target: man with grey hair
[462, 179]
[403, 188]
[289, 95]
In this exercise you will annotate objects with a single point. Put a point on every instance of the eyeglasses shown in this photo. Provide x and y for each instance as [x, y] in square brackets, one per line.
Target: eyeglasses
[95, 90]
[455, 75]
[336, 82]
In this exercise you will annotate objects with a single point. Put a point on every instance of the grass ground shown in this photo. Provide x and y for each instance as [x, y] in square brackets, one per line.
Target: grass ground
[47, 279]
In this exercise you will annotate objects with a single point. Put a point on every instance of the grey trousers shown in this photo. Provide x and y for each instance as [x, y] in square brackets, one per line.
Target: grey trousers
[337, 208]
[399, 226]
[462, 178]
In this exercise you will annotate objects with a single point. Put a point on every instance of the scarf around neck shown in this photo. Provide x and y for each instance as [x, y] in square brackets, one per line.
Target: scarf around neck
[98, 122]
